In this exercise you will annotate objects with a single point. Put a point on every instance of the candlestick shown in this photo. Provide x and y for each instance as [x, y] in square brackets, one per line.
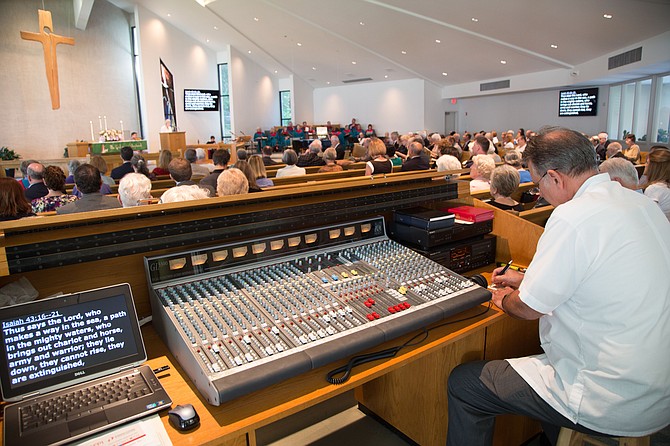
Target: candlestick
[105, 118]
[100, 121]
[122, 130]
[92, 137]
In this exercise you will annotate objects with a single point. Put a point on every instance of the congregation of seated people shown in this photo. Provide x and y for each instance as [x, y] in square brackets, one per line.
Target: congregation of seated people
[44, 188]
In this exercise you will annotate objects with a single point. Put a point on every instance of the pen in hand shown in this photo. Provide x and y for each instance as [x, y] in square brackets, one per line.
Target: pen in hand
[504, 270]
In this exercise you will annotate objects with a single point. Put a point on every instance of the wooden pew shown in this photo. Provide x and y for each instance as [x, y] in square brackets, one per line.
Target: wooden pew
[539, 216]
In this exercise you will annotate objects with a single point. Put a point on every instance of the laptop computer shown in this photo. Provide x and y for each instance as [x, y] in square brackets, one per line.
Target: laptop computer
[72, 365]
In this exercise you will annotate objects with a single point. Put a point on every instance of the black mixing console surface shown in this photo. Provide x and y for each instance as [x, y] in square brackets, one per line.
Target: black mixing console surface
[243, 316]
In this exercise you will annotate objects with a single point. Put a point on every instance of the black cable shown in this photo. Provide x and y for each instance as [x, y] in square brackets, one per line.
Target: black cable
[345, 370]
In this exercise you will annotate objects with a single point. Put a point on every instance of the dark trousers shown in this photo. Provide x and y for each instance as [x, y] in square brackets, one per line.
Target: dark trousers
[478, 391]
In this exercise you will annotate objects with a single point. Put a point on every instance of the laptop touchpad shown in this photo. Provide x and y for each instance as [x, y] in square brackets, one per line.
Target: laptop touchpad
[86, 423]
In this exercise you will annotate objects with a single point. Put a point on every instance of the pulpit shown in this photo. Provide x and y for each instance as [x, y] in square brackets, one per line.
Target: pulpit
[173, 141]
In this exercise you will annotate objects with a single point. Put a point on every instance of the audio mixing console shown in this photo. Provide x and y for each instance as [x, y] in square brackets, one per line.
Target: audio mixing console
[243, 316]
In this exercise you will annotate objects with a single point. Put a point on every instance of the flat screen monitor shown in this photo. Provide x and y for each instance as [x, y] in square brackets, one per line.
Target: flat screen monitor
[201, 100]
[583, 102]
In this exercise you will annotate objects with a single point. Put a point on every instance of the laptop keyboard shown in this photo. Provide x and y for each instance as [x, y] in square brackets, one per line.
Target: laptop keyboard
[84, 401]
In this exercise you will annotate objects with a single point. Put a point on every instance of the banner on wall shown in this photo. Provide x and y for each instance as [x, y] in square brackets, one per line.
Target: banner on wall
[167, 84]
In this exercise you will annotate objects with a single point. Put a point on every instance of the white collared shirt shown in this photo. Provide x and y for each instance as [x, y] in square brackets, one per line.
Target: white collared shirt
[601, 278]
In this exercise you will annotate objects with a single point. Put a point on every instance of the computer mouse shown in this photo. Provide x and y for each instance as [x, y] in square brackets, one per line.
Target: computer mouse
[184, 417]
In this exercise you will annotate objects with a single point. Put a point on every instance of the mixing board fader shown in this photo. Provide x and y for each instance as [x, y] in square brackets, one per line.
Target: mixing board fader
[243, 316]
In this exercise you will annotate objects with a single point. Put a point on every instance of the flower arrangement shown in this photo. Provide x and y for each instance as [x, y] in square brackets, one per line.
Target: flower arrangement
[7, 154]
[110, 135]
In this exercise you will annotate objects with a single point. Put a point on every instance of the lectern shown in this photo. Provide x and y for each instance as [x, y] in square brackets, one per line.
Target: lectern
[174, 141]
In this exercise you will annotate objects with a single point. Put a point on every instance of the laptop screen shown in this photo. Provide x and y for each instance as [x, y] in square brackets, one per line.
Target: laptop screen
[53, 343]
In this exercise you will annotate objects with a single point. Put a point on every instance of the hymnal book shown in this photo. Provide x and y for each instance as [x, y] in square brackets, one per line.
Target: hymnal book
[472, 214]
[424, 218]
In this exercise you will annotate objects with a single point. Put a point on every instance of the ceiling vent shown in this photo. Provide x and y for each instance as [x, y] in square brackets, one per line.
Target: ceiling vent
[494, 85]
[625, 58]
[362, 79]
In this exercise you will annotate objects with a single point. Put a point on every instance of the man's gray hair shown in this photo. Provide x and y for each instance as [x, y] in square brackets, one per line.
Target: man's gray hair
[561, 149]
[315, 146]
[622, 170]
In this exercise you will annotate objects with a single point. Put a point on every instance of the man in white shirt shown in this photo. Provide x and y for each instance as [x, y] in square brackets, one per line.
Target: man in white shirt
[604, 330]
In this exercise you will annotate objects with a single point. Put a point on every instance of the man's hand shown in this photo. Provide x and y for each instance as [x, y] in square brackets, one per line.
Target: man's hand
[511, 278]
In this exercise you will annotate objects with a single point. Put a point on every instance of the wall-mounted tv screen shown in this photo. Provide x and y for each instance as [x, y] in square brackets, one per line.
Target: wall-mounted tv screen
[582, 102]
[201, 100]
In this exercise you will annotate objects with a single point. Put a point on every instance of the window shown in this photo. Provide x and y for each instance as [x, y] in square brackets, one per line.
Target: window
[641, 107]
[661, 121]
[285, 107]
[224, 97]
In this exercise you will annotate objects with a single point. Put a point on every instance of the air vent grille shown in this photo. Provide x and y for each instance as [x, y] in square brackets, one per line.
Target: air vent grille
[362, 79]
[494, 85]
[625, 58]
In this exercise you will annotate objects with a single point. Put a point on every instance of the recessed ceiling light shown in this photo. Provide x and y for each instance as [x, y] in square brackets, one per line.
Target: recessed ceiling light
[314, 68]
[353, 62]
[607, 16]
[404, 52]
[444, 73]
[475, 19]
[438, 41]
[299, 44]
[554, 46]
[328, 83]
[216, 27]
[249, 51]
[276, 71]
[207, 40]
[361, 23]
[256, 19]
[503, 62]
[169, 15]
[386, 76]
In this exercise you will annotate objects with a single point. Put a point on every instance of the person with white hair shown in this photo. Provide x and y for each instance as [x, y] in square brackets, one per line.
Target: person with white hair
[232, 182]
[339, 148]
[313, 157]
[513, 158]
[134, 190]
[622, 171]
[201, 159]
[614, 150]
[603, 143]
[184, 193]
[480, 171]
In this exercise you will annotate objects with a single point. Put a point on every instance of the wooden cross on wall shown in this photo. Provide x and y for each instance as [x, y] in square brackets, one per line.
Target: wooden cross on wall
[49, 42]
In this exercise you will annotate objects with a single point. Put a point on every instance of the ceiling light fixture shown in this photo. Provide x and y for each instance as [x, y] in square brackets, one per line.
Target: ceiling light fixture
[314, 68]
[554, 46]
[328, 83]
[216, 28]
[207, 40]
[169, 15]
[503, 62]
[256, 19]
[276, 72]
[204, 3]
[444, 73]
[299, 44]
[607, 16]
[386, 76]
[361, 23]
[404, 52]
[353, 62]
[475, 19]
[249, 51]
[438, 41]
